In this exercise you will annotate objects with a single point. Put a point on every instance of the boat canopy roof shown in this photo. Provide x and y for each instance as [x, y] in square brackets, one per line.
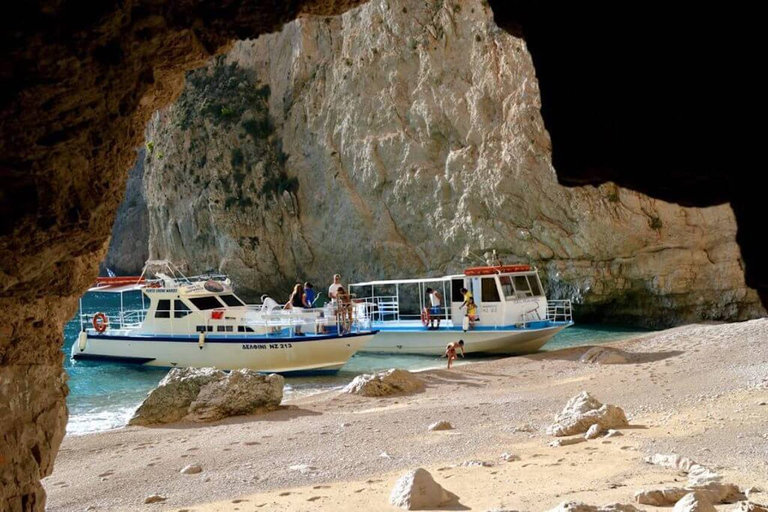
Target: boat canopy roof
[409, 281]
[122, 288]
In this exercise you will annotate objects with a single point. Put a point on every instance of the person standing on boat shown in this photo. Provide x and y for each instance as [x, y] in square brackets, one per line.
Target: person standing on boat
[469, 303]
[334, 288]
[309, 295]
[436, 300]
[343, 310]
[296, 302]
[450, 351]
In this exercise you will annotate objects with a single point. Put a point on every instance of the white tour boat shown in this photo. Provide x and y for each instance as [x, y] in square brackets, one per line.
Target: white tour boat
[200, 322]
[513, 314]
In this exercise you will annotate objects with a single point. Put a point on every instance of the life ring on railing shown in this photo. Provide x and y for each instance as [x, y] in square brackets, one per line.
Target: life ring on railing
[100, 322]
[425, 317]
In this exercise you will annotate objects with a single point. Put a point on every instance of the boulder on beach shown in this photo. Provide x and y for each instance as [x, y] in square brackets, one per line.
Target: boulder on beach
[417, 490]
[583, 411]
[694, 502]
[391, 382]
[578, 506]
[207, 394]
[604, 355]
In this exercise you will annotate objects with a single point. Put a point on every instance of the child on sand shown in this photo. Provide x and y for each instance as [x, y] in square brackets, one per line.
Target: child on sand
[450, 351]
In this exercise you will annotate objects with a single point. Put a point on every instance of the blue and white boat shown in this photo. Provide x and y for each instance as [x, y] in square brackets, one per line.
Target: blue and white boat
[513, 314]
[200, 321]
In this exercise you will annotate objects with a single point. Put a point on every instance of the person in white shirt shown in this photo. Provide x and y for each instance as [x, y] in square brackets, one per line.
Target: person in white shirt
[334, 288]
[436, 301]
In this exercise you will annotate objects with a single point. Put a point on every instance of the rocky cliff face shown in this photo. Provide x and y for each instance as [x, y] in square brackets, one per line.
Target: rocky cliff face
[404, 139]
[129, 244]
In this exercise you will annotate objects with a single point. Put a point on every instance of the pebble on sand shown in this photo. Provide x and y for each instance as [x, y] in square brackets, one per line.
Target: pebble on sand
[508, 457]
[154, 498]
[192, 469]
[440, 425]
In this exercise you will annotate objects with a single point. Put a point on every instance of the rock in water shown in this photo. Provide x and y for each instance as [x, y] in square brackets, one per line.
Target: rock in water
[603, 355]
[391, 382]
[207, 394]
[583, 411]
[440, 425]
[694, 502]
[417, 490]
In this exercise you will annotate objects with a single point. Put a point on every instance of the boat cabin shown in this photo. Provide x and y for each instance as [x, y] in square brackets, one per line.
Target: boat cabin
[505, 296]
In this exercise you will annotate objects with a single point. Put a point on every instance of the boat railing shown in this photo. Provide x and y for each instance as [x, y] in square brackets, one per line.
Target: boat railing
[559, 311]
[382, 307]
[236, 321]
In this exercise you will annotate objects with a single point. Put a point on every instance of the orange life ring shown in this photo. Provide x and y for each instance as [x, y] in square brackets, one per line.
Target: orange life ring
[425, 317]
[100, 322]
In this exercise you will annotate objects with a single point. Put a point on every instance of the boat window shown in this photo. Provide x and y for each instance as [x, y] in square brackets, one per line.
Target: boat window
[219, 328]
[163, 309]
[210, 328]
[506, 287]
[180, 310]
[231, 300]
[489, 291]
[228, 328]
[200, 328]
[456, 286]
[242, 328]
[204, 303]
[535, 286]
[521, 286]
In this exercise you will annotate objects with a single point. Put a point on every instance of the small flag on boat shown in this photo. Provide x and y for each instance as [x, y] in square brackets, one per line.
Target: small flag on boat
[110, 273]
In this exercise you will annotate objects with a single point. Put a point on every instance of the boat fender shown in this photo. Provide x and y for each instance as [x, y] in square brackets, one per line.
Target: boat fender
[201, 340]
[82, 340]
[465, 324]
[100, 322]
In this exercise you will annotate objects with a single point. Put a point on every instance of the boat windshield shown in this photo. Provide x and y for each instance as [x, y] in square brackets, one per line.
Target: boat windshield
[205, 303]
[231, 300]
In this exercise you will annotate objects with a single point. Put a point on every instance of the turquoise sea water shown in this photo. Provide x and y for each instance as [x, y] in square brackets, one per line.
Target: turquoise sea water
[103, 396]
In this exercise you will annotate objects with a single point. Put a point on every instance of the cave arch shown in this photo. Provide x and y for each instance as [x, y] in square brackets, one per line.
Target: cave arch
[79, 86]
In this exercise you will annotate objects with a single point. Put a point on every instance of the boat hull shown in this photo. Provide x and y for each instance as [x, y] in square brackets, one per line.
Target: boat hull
[479, 341]
[275, 355]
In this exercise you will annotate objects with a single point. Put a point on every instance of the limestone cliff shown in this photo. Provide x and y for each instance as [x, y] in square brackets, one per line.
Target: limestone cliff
[128, 246]
[402, 139]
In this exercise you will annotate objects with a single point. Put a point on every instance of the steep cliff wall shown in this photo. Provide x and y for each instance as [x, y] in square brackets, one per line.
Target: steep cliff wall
[129, 244]
[402, 139]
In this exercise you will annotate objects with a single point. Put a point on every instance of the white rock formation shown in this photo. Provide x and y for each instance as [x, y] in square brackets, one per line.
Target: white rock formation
[418, 122]
[509, 457]
[593, 431]
[604, 355]
[391, 382]
[578, 506]
[417, 490]
[671, 460]
[440, 425]
[694, 502]
[583, 411]
[207, 394]
[749, 506]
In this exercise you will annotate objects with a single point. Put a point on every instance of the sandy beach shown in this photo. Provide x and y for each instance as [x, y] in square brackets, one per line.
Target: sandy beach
[700, 391]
